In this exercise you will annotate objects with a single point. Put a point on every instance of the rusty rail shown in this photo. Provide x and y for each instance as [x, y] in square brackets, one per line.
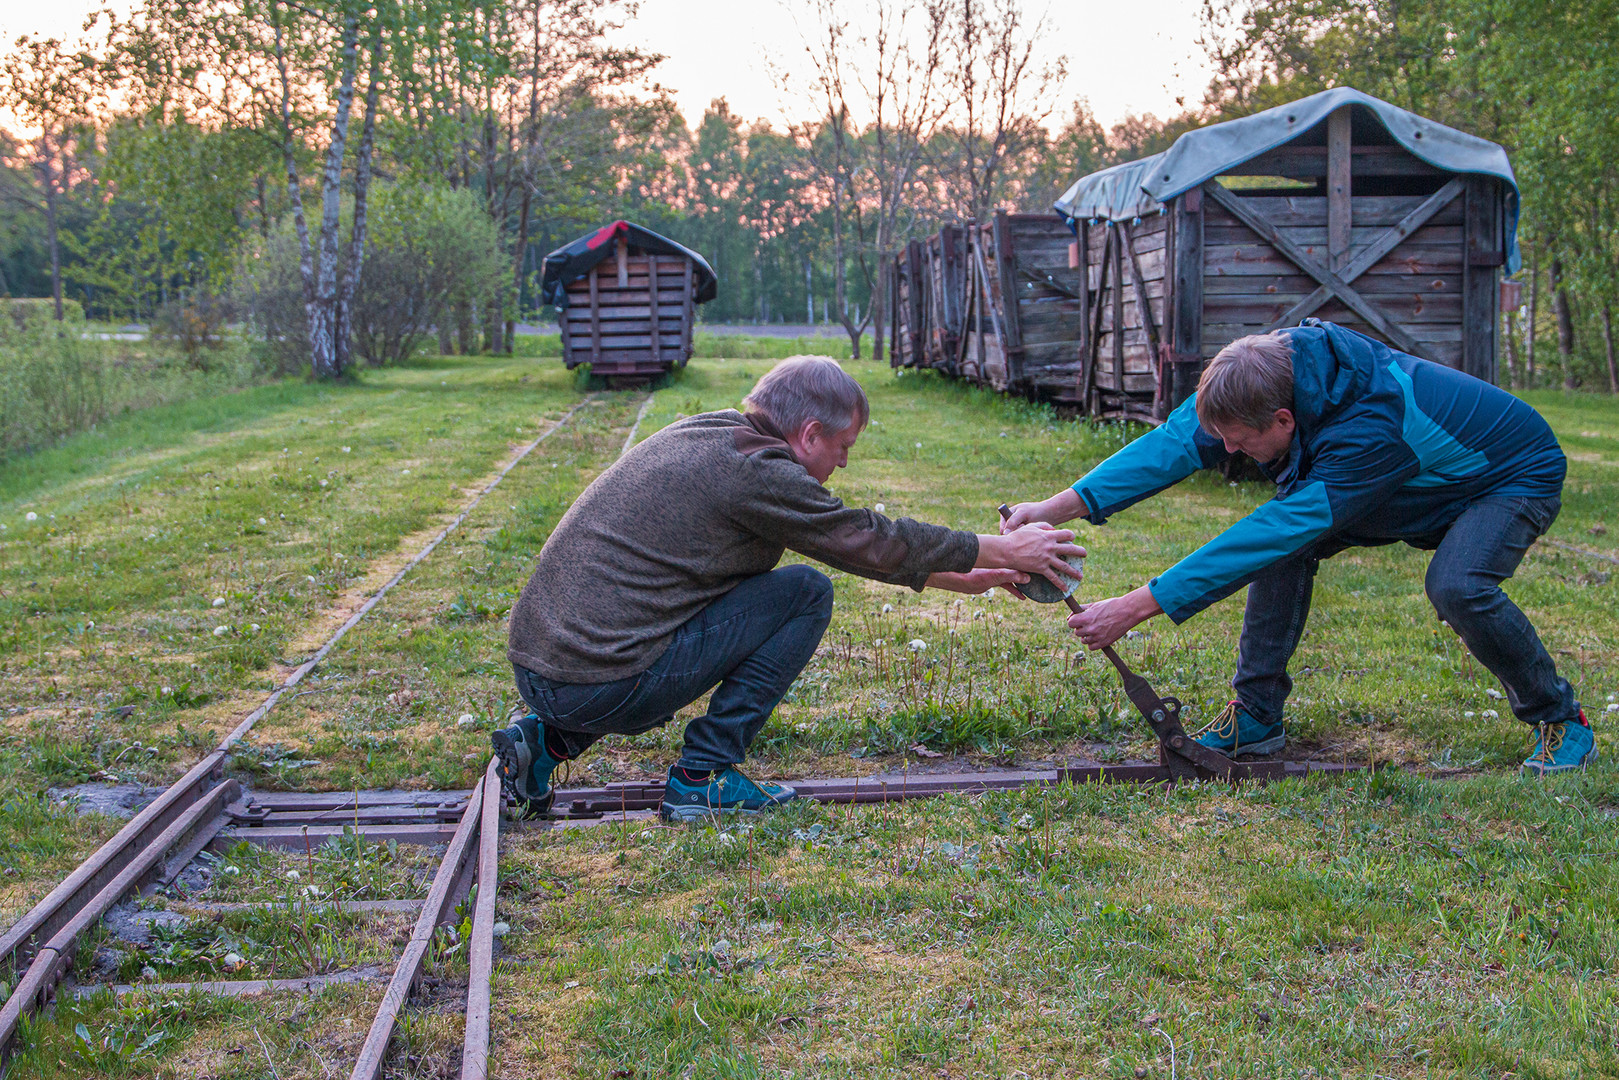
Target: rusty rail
[438, 910]
[63, 910]
[56, 955]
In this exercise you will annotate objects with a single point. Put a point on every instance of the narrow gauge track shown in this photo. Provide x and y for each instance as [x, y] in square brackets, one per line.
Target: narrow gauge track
[186, 816]
[204, 810]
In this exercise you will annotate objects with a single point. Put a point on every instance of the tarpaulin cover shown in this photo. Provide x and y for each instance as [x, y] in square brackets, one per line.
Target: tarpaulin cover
[1138, 188]
[572, 261]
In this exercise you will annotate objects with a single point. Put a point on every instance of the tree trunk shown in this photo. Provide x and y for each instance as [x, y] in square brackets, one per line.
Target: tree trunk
[879, 312]
[1607, 342]
[445, 345]
[493, 326]
[1534, 311]
[522, 263]
[50, 224]
[1510, 332]
[1565, 324]
[324, 361]
[362, 187]
[466, 334]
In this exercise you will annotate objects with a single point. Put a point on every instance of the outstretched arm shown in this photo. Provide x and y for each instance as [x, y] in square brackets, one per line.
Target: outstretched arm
[1163, 457]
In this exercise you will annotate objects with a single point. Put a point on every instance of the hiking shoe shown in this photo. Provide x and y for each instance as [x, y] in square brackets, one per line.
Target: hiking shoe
[1562, 747]
[725, 791]
[525, 766]
[1234, 732]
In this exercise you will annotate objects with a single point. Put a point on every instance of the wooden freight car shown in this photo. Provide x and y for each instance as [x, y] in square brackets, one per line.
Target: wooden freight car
[625, 300]
[928, 296]
[1339, 206]
[951, 313]
[1024, 306]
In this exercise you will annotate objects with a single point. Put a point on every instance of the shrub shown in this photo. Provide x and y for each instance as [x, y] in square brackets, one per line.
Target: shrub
[54, 381]
[25, 308]
[431, 253]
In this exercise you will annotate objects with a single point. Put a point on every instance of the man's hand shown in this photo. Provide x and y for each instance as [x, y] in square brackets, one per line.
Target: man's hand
[1106, 621]
[1063, 506]
[975, 582]
[1035, 549]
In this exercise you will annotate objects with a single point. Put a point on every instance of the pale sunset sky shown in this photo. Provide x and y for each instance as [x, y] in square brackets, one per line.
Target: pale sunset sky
[1123, 57]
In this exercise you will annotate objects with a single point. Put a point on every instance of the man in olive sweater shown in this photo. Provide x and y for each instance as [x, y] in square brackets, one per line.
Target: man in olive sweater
[660, 582]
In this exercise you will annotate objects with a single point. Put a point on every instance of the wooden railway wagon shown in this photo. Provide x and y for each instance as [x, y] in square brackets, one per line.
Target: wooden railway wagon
[1338, 206]
[927, 294]
[625, 300]
[1024, 305]
[951, 314]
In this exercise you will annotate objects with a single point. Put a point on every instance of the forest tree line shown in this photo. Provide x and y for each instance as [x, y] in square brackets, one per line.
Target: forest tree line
[353, 177]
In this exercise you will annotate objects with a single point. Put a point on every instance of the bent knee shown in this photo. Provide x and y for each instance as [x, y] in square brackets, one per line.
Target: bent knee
[1455, 599]
[814, 586]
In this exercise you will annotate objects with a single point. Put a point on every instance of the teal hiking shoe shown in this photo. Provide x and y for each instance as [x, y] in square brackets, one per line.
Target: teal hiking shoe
[525, 765]
[726, 791]
[1562, 747]
[1234, 732]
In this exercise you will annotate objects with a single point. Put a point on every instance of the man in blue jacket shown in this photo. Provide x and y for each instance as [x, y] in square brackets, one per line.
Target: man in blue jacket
[1367, 446]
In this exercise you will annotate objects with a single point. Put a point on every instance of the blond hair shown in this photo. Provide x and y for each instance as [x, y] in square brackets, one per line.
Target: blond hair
[1246, 382]
[804, 388]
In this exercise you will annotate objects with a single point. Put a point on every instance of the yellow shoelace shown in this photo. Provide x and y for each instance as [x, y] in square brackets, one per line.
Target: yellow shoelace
[1551, 740]
[1224, 725]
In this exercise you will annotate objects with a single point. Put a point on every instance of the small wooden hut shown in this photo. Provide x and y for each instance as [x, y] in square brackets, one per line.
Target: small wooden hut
[1339, 206]
[625, 300]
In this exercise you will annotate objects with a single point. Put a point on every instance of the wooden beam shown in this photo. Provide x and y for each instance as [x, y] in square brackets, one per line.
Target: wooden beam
[1006, 271]
[1082, 250]
[595, 315]
[913, 260]
[1370, 255]
[1338, 188]
[989, 301]
[1149, 321]
[1093, 358]
[1310, 163]
[1239, 208]
[622, 251]
[1481, 237]
[1188, 284]
[688, 312]
[657, 347]
[1118, 306]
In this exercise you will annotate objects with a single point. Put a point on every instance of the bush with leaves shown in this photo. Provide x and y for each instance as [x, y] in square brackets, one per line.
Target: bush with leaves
[431, 250]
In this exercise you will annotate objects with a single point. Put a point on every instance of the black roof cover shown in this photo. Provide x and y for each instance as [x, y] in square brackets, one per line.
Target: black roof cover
[572, 261]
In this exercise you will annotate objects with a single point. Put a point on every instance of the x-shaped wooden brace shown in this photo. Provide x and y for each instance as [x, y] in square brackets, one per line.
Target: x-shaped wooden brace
[1337, 285]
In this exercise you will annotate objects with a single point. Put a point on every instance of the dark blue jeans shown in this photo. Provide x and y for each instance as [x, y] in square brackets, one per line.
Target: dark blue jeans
[753, 642]
[1471, 559]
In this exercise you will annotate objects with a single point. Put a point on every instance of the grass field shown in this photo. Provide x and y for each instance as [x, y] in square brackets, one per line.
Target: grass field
[1444, 919]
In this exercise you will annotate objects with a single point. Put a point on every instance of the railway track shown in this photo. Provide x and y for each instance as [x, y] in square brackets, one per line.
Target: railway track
[204, 810]
[37, 950]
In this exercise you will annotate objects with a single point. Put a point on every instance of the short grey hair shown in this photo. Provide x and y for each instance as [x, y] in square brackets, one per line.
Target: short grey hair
[804, 388]
[1246, 382]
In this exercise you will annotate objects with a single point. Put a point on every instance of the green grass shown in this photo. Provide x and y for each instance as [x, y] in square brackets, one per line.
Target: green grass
[1346, 927]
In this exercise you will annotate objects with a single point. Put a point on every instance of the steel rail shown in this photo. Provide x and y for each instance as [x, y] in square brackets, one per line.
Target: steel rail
[64, 906]
[56, 955]
[437, 909]
[481, 949]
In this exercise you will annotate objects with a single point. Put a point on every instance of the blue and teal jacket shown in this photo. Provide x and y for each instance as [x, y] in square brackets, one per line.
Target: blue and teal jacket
[1388, 447]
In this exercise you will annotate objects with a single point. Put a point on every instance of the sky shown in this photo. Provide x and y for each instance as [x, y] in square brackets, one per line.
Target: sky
[1124, 58]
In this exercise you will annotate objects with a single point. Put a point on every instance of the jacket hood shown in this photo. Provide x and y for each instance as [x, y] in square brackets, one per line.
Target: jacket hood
[1332, 367]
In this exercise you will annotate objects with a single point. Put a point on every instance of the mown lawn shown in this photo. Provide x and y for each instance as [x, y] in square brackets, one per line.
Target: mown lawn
[1445, 918]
